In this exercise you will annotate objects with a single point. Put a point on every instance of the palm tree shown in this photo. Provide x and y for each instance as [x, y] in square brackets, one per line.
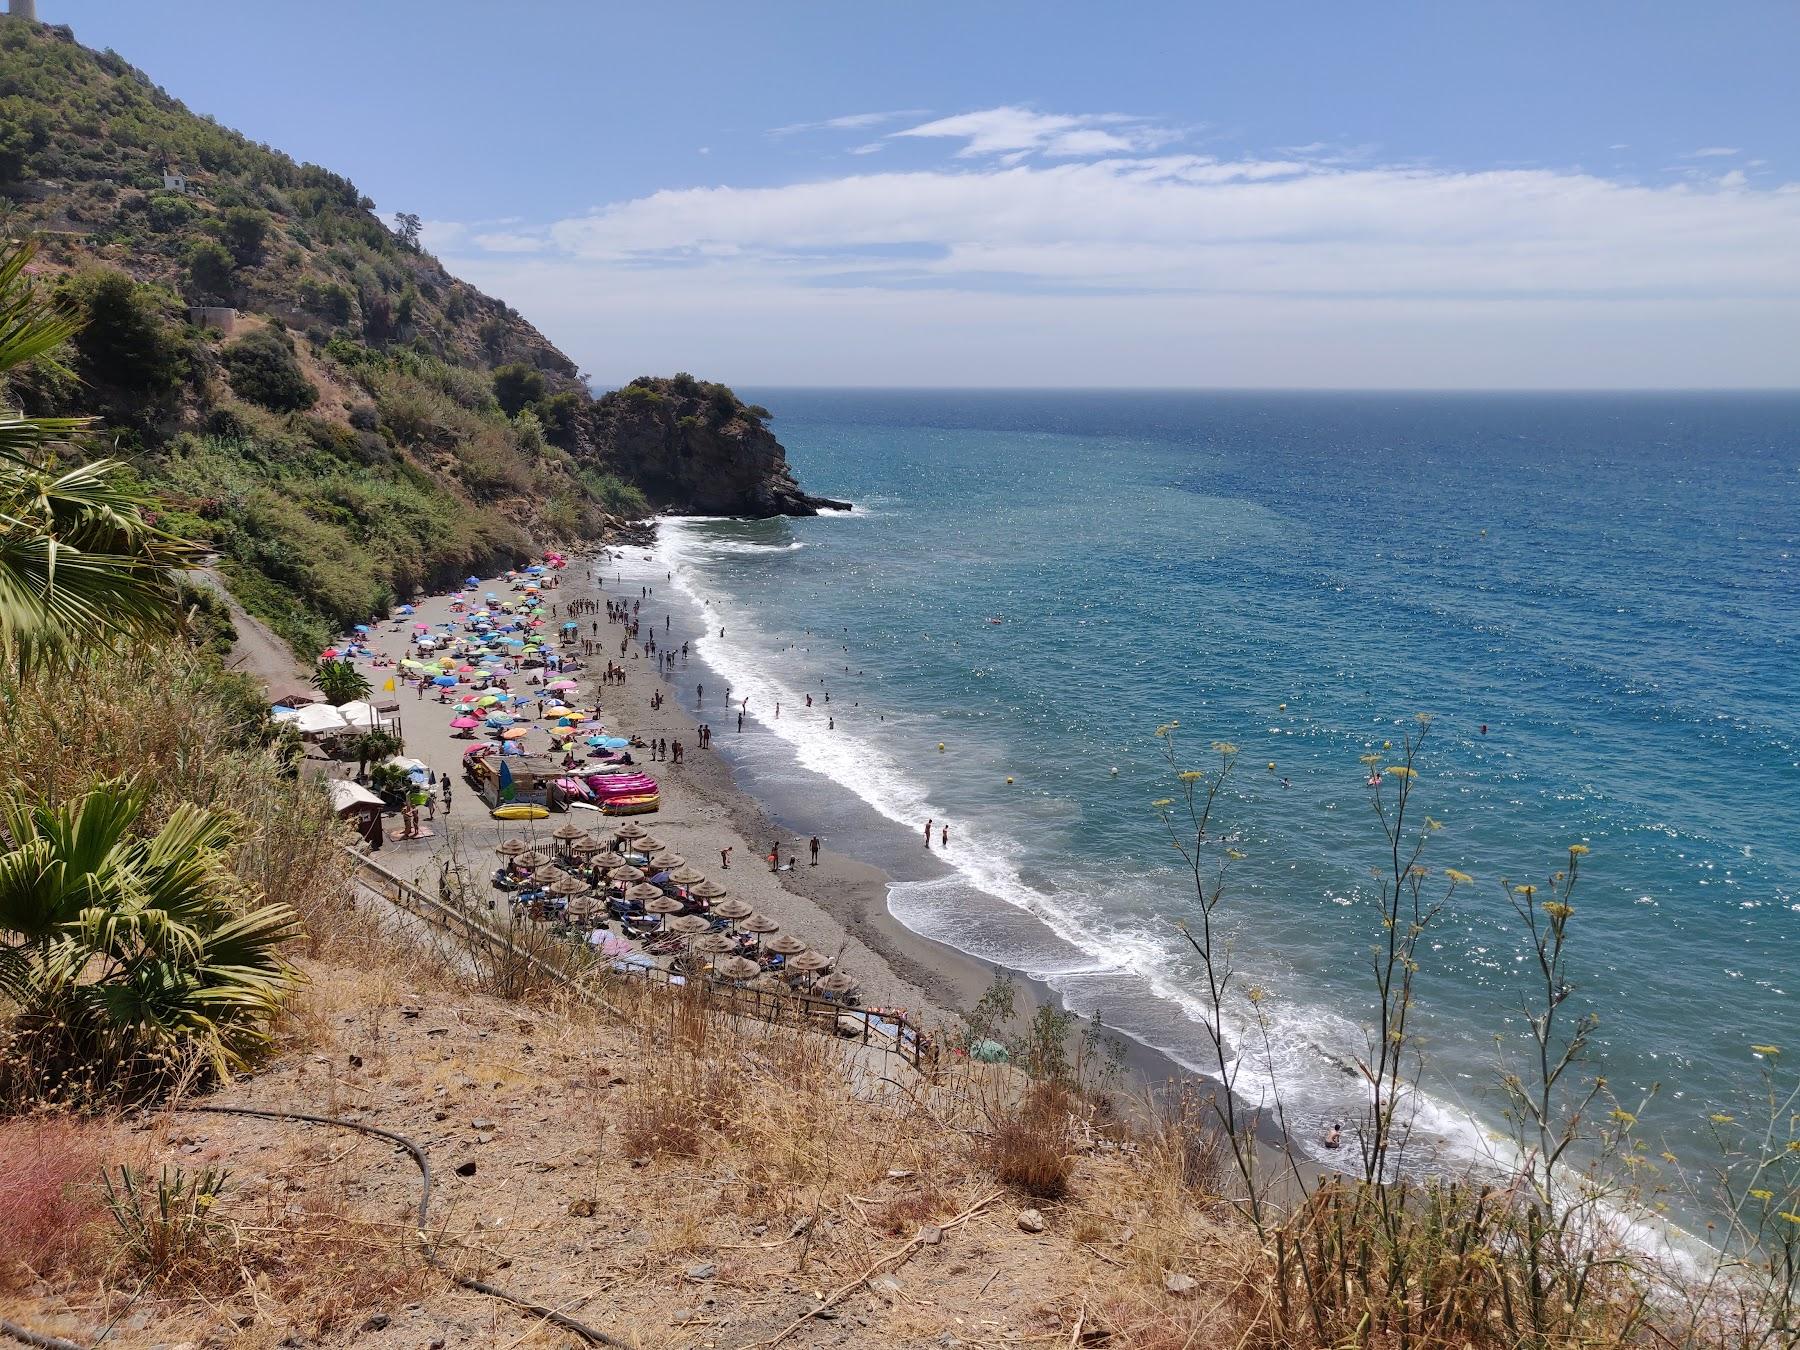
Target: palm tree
[136, 959]
[375, 744]
[340, 682]
[79, 557]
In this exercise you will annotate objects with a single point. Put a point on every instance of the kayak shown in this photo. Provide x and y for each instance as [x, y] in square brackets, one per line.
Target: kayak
[519, 811]
[632, 806]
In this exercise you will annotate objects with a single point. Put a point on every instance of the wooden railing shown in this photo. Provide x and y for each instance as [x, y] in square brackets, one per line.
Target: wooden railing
[892, 1033]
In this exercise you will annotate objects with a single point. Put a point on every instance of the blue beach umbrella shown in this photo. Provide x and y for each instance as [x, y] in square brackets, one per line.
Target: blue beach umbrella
[500, 719]
[445, 681]
[471, 581]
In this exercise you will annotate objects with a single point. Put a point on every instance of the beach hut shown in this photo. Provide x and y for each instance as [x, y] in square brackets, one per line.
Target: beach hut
[357, 807]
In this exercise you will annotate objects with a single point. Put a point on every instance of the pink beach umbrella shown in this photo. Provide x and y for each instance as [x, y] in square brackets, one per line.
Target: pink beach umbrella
[465, 723]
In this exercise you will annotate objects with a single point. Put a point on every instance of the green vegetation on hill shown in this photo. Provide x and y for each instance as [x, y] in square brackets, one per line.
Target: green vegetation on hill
[370, 425]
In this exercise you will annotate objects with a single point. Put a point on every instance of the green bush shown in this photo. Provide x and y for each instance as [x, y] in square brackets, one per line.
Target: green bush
[517, 387]
[245, 230]
[210, 269]
[264, 370]
[126, 340]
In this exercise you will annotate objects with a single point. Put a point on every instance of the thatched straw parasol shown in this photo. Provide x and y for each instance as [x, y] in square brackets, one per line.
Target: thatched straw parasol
[730, 909]
[583, 908]
[836, 984]
[713, 944]
[708, 890]
[510, 848]
[643, 890]
[586, 845]
[630, 830]
[687, 876]
[759, 923]
[643, 843]
[663, 904]
[532, 858]
[625, 874]
[667, 860]
[809, 962]
[567, 886]
[568, 832]
[734, 967]
[787, 946]
[689, 925]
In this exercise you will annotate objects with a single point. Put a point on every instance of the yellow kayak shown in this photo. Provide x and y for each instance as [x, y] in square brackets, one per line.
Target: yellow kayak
[519, 811]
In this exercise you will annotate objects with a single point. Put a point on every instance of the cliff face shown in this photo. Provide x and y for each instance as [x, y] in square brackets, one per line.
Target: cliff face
[696, 449]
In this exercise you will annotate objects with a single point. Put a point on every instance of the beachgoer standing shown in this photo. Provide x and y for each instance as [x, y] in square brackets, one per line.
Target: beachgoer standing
[699, 696]
[740, 721]
[725, 858]
[928, 825]
[944, 838]
[815, 850]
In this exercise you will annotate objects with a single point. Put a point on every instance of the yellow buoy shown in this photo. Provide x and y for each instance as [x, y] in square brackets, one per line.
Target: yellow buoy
[1387, 745]
[1281, 707]
[940, 747]
[1009, 780]
[1271, 766]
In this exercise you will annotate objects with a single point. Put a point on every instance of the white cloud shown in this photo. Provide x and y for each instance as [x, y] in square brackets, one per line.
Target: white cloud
[1016, 132]
[1714, 152]
[510, 241]
[849, 122]
[1043, 252]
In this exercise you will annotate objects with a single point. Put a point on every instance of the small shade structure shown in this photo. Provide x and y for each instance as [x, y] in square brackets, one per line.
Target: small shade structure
[734, 967]
[712, 944]
[643, 890]
[510, 848]
[686, 876]
[668, 861]
[786, 946]
[663, 904]
[359, 807]
[730, 909]
[809, 962]
[706, 890]
[643, 843]
[631, 830]
[531, 858]
[567, 886]
[688, 925]
[569, 833]
[624, 874]
[759, 923]
[839, 983]
[586, 845]
[584, 907]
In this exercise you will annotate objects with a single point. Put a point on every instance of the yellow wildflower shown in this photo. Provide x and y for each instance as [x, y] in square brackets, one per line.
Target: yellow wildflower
[1720, 1118]
[1527, 891]
[1256, 993]
[1234, 855]
[1576, 850]
[1433, 824]
[1190, 775]
[1460, 878]
[1224, 747]
[1765, 1049]
[1400, 771]
[1790, 1217]
[1556, 909]
[1161, 802]
[1623, 1117]
[1762, 1195]
[1670, 1158]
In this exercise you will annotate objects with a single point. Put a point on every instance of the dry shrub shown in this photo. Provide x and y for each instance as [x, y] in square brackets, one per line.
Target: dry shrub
[50, 1199]
[678, 1098]
[903, 1215]
[327, 1267]
[1031, 1147]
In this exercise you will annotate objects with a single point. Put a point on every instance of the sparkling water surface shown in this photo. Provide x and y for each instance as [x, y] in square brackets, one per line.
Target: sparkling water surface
[1608, 583]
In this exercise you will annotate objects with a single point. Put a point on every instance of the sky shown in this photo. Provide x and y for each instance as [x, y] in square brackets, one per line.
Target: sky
[842, 192]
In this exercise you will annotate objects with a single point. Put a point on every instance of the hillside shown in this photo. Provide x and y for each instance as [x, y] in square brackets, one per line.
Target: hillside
[315, 395]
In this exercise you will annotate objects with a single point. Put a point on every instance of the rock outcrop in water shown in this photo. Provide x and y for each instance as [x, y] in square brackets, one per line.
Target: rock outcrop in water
[697, 449]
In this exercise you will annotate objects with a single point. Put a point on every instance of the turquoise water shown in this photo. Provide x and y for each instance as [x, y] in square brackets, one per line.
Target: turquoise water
[1610, 584]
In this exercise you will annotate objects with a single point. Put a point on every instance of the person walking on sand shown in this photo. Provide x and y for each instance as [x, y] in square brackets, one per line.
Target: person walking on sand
[774, 860]
[725, 858]
[815, 850]
[699, 696]
[928, 825]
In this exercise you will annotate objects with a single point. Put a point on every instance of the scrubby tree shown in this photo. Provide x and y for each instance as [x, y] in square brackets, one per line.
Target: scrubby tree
[210, 268]
[245, 229]
[407, 225]
[123, 340]
[517, 387]
[264, 369]
[340, 682]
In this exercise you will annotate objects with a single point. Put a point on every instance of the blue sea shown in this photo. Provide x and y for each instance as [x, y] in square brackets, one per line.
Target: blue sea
[1596, 596]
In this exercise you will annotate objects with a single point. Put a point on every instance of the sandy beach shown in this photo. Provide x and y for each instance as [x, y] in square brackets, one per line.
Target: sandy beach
[838, 907]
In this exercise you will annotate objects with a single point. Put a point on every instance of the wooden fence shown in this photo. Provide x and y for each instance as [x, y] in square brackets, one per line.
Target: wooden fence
[892, 1033]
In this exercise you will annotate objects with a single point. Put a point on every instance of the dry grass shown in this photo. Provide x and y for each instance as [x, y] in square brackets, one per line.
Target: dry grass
[50, 1200]
[1032, 1145]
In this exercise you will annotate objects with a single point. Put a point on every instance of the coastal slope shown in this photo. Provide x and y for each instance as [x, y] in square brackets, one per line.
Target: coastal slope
[344, 421]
